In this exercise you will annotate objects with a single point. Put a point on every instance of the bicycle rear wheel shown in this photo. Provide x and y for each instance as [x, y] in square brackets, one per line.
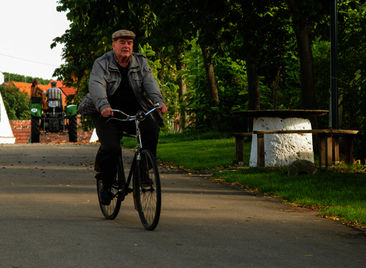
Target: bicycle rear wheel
[111, 211]
[147, 190]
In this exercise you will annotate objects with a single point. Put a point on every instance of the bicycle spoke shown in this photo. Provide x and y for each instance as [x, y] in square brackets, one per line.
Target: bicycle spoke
[111, 210]
[148, 191]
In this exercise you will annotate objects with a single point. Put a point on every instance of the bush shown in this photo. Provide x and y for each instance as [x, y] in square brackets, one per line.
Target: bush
[16, 103]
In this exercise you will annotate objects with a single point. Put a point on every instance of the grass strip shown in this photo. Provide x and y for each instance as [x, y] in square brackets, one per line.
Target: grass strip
[198, 154]
[341, 196]
[339, 193]
[196, 151]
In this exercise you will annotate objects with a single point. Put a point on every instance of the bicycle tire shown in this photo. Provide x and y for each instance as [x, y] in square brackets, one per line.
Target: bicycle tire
[73, 129]
[147, 191]
[110, 211]
[35, 129]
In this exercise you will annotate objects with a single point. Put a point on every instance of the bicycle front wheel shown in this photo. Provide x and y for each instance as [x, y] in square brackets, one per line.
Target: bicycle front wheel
[111, 210]
[147, 190]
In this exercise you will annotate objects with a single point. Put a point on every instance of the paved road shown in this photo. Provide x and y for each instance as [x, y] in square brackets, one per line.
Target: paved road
[49, 217]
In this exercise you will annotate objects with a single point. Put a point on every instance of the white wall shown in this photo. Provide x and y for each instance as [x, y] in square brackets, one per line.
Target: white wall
[6, 134]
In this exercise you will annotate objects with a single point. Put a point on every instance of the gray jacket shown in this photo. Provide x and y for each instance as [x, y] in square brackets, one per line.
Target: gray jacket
[105, 78]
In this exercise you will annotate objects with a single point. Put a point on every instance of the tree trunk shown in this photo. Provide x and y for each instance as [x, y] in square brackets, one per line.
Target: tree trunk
[275, 85]
[182, 92]
[253, 90]
[253, 86]
[306, 61]
[210, 74]
[304, 48]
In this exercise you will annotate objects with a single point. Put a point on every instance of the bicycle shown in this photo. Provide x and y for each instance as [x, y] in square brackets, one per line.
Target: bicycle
[143, 180]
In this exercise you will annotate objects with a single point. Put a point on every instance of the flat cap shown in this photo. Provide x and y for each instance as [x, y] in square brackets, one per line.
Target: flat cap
[123, 34]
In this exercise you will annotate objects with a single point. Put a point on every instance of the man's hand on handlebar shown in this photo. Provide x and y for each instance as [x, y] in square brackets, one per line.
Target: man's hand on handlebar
[107, 112]
[163, 109]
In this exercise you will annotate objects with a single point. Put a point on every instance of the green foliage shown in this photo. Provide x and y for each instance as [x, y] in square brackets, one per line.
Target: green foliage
[16, 103]
[289, 92]
[21, 78]
[197, 100]
[352, 65]
[167, 83]
[173, 33]
[231, 81]
[321, 53]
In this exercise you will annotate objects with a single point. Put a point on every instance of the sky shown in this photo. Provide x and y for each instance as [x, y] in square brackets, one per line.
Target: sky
[27, 28]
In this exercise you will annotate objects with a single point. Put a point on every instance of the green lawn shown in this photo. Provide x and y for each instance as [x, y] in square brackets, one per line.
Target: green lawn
[196, 151]
[339, 193]
[199, 154]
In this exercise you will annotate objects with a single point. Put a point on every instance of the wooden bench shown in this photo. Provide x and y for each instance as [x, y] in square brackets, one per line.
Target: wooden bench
[239, 145]
[329, 144]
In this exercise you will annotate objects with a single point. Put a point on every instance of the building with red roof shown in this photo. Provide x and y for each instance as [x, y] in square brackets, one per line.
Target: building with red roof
[26, 88]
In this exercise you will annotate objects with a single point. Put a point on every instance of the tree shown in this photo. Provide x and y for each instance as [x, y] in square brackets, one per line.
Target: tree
[21, 78]
[305, 15]
[89, 36]
[227, 54]
[173, 33]
[206, 22]
[352, 66]
[16, 103]
[260, 33]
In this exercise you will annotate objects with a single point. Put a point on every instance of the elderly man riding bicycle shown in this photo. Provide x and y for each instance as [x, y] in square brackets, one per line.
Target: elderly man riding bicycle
[122, 79]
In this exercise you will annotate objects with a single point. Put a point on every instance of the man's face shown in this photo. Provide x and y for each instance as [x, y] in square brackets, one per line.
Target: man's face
[122, 47]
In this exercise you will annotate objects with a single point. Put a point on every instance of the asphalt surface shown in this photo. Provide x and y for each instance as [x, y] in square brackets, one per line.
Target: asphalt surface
[49, 217]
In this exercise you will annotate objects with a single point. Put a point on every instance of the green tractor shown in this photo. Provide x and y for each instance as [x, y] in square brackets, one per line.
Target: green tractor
[54, 119]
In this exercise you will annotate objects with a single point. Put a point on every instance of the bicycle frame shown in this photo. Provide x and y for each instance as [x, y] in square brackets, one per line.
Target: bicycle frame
[138, 118]
[143, 180]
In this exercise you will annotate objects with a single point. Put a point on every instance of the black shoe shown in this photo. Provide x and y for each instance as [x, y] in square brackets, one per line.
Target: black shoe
[106, 196]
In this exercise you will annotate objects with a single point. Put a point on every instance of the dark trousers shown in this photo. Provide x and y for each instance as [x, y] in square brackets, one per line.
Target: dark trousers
[110, 135]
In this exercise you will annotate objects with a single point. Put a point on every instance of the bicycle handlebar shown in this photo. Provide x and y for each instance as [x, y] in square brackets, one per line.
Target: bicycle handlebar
[140, 115]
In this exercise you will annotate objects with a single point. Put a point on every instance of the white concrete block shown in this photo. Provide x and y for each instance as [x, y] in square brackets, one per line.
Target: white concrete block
[6, 133]
[282, 149]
